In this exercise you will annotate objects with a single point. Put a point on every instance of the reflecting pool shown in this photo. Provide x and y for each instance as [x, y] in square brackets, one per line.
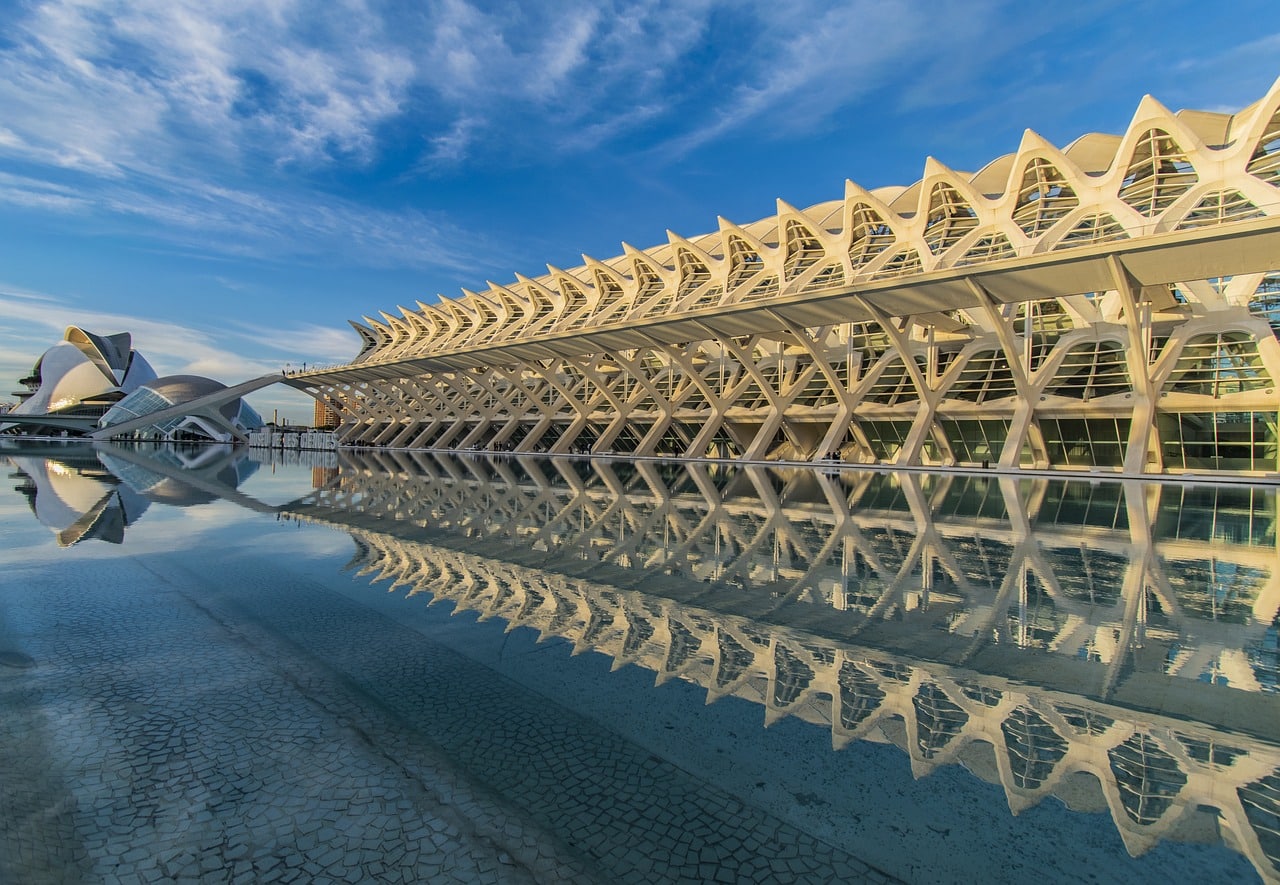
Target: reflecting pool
[413, 666]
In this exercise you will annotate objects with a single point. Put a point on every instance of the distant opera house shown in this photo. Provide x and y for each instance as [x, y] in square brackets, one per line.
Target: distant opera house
[88, 383]
[1108, 305]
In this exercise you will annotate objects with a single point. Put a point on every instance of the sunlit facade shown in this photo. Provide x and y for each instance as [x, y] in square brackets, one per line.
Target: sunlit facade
[82, 375]
[1110, 305]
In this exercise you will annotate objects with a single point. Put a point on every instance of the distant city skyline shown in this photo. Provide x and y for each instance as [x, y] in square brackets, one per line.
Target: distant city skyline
[232, 184]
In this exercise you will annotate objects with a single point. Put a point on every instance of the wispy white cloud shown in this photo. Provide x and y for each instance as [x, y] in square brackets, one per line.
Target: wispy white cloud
[130, 84]
[224, 126]
[561, 76]
[815, 60]
[35, 193]
[449, 148]
[319, 344]
[176, 90]
[164, 112]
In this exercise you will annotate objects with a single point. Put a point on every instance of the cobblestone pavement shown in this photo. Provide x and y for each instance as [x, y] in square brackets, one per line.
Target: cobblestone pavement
[228, 725]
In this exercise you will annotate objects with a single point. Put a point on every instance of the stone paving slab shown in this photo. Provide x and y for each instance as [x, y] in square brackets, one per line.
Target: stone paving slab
[152, 742]
[178, 727]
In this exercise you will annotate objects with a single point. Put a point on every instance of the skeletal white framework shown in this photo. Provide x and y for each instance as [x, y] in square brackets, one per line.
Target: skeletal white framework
[966, 619]
[1111, 304]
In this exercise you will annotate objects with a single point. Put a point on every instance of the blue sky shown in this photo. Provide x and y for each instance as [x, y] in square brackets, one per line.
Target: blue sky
[232, 181]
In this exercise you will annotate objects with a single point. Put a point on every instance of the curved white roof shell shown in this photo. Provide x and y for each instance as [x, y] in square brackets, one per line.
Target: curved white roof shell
[82, 367]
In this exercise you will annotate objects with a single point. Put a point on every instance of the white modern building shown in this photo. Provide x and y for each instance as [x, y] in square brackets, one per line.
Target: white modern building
[1110, 304]
[98, 386]
[81, 376]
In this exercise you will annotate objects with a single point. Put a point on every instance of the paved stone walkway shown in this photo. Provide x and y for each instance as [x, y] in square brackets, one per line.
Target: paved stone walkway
[246, 728]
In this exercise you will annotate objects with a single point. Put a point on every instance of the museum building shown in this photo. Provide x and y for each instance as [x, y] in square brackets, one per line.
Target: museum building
[1112, 304]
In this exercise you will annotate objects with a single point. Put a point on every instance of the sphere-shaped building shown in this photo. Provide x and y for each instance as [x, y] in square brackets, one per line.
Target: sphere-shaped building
[186, 407]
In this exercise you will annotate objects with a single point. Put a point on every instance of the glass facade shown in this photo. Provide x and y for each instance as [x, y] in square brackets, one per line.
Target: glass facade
[1085, 442]
[975, 441]
[142, 401]
[147, 401]
[1219, 440]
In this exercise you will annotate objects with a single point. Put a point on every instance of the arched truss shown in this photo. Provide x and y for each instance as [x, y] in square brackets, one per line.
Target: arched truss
[856, 565]
[968, 318]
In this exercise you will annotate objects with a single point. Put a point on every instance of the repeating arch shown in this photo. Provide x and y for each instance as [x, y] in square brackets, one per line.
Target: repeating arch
[1158, 174]
[1028, 306]
[1045, 197]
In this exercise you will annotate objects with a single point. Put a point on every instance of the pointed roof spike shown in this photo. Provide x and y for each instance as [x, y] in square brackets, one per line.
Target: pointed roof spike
[596, 264]
[1034, 141]
[860, 194]
[1150, 106]
[682, 243]
[934, 167]
[367, 335]
[785, 208]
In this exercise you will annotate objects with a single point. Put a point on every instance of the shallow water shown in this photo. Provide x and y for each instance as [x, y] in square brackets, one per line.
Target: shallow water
[416, 667]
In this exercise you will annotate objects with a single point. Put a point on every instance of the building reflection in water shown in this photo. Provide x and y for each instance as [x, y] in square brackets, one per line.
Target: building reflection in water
[86, 492]
[1112, 644]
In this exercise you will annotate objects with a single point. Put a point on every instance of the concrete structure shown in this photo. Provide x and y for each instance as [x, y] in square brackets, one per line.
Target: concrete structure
[74, 383]
[1108, 305]
[326, 417]
[98, 386]
[184, 407]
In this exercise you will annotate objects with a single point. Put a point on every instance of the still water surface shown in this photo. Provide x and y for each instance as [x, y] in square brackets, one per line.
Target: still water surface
[413, 667]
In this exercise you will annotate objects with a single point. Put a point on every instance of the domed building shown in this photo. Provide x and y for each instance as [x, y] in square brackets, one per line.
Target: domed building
[81, 376]
[208, 418]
